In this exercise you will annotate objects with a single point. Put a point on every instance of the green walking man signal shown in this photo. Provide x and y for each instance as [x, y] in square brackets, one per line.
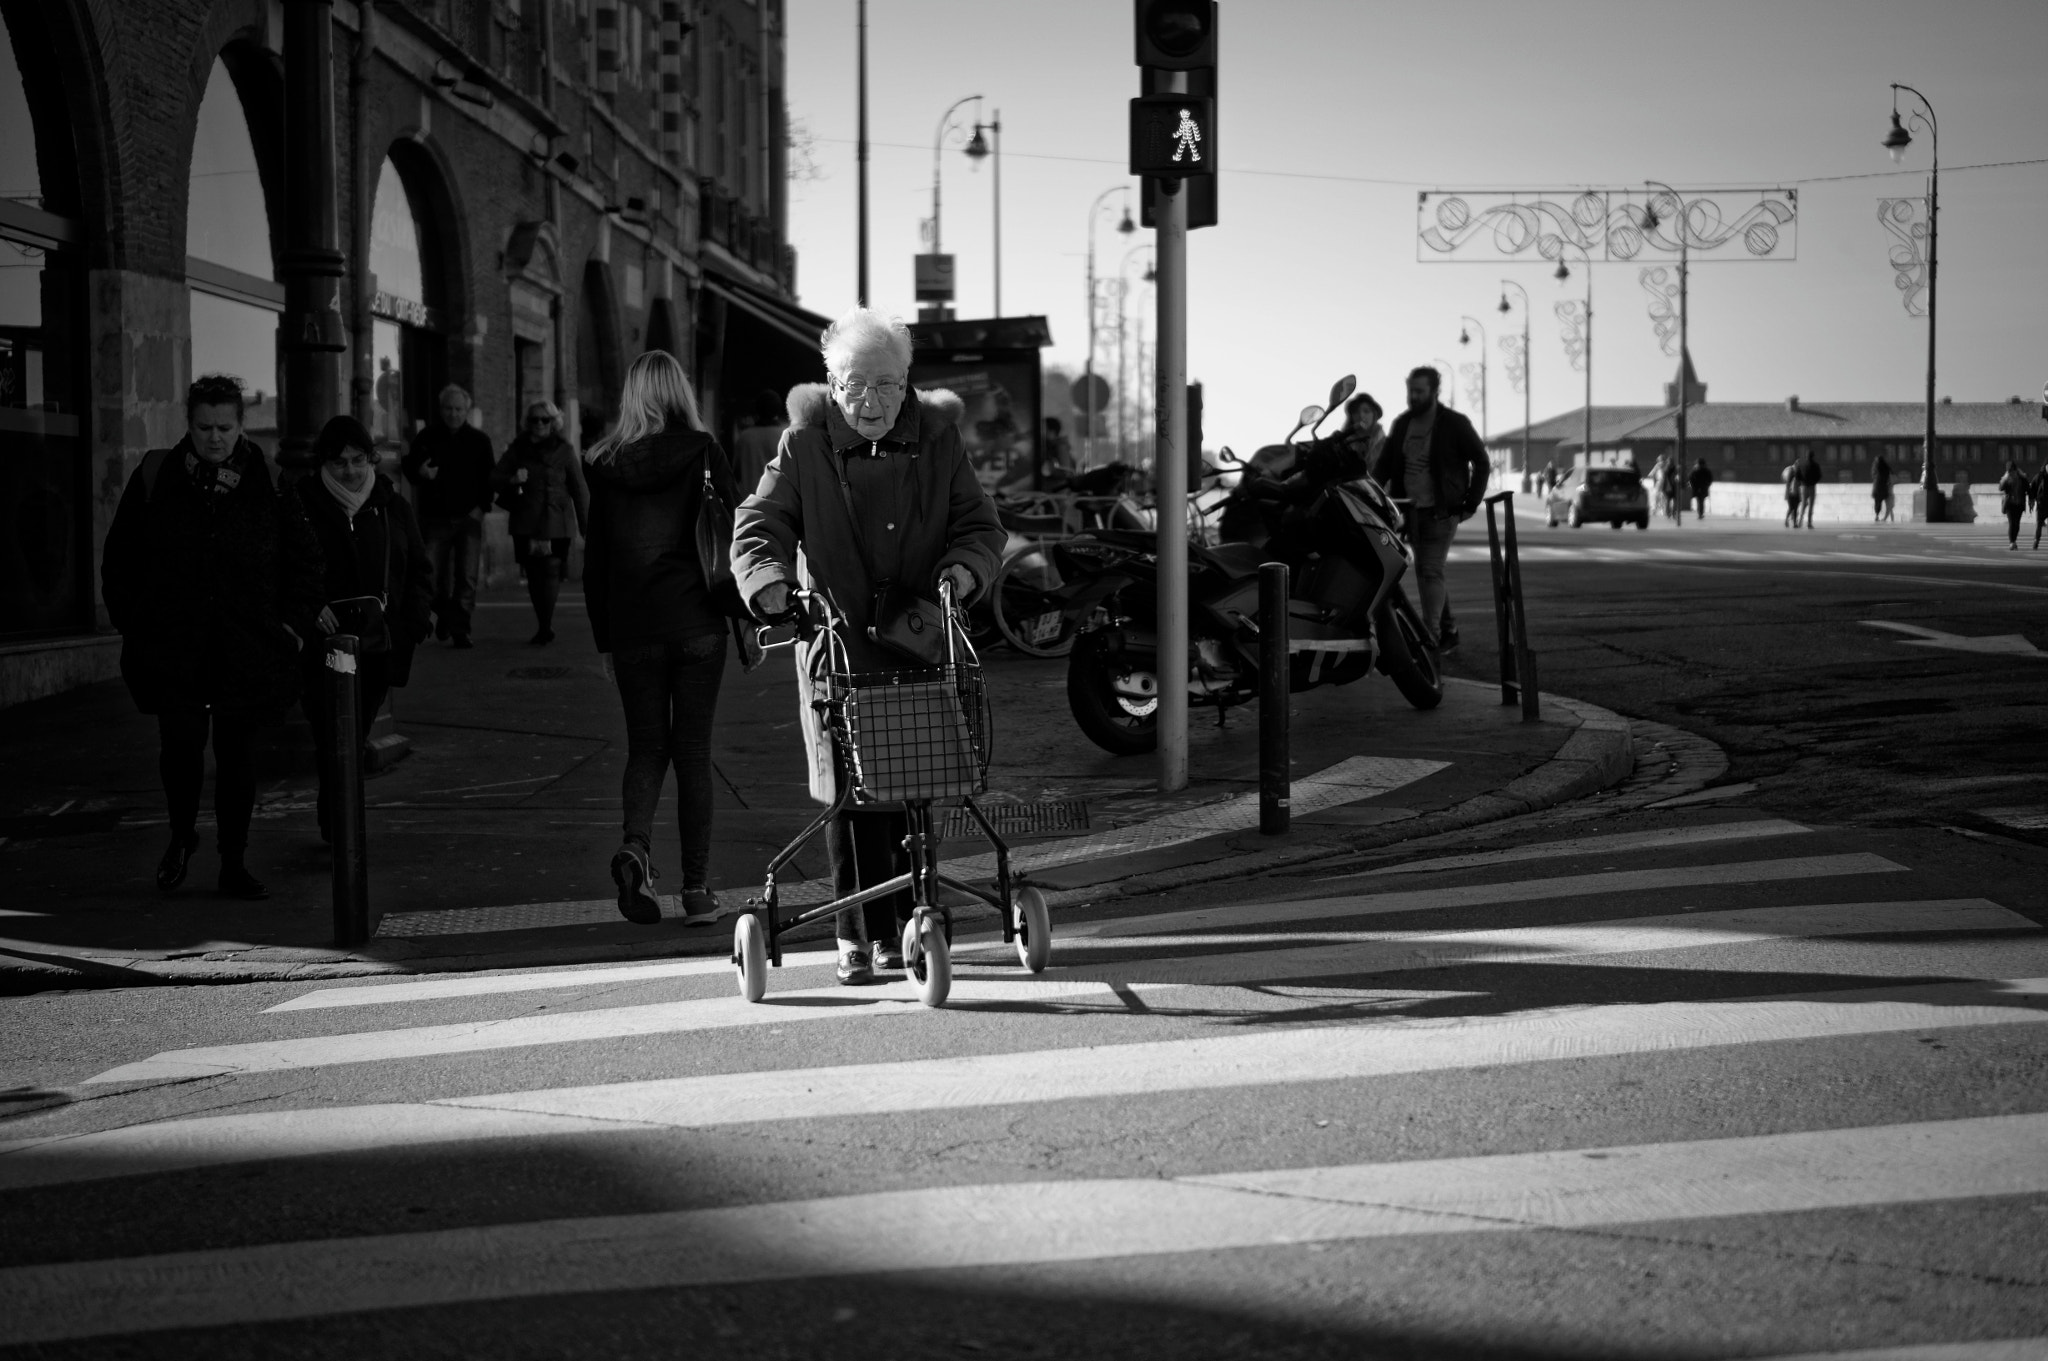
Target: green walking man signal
[1173, 120]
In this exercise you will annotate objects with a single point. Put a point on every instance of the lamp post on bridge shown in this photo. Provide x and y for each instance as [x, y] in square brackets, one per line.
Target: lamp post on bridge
[1123, 289]
[1465, 338]
[1896, 141]
[1681, 218]
[978, 147]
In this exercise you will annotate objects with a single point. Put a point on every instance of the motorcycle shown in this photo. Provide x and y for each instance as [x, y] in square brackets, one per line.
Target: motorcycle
[1348, 613]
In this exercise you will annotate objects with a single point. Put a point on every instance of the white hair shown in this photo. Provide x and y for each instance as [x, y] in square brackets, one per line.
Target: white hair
[455, 390]
[861, 331]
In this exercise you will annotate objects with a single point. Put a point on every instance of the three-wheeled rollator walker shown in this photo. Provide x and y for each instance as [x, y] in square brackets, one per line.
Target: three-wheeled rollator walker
[897, 738]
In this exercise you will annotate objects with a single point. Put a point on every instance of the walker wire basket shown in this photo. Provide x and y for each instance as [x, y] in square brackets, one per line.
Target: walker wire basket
[913, 734]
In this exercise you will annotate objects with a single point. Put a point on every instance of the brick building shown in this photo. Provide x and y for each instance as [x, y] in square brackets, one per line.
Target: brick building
[348, 205]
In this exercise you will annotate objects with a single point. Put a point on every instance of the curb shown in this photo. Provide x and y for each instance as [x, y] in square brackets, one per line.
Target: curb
[1599, 753]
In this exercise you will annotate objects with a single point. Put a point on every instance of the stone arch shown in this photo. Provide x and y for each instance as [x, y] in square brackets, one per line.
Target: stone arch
[74, 77]
[421, 342]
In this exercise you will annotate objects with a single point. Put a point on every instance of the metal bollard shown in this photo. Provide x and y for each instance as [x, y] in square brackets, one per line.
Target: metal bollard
[351, 855]
[1517, 658]
[1275, 676]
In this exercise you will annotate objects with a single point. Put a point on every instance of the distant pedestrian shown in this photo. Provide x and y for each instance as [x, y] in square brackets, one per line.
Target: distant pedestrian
[212, 575]
[1668, 484]
[2038, 491]
[449, 466]
[657, 581]
[1701, 480]
[379, 586]
[1548, 478]
[1880, 490]
[1436, 460]
[756, 444]
[2013, 494]
[540, 480]
[1791, 477]
[1809, 488]
[1362, 436]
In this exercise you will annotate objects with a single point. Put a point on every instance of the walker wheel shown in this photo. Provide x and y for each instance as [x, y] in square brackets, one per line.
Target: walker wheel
[750, 956]
[1034, 929]
[932, 963]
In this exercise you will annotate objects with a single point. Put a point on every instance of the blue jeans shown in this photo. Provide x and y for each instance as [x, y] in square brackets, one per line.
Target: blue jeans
[453, 547]
[670, 694]
[1431, 539]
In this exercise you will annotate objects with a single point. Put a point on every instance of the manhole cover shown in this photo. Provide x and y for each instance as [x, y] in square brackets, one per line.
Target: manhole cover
[1019, 819]
[541, 672]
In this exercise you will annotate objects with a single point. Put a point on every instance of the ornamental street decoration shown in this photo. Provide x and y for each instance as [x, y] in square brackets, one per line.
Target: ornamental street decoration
[1516, 361]
[1662, 285]
[1571, 318]
[1471, 226]
[1906, 220]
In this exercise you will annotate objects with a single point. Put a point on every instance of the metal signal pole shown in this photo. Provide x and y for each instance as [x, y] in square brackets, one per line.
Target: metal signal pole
[861, 148]
[1170, 478]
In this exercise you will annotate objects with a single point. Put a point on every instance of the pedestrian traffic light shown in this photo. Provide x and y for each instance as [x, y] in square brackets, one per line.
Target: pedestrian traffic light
[1176, 54]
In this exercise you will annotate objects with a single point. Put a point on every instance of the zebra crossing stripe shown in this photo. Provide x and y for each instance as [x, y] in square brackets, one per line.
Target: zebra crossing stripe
[2001, 1349]
[1481, 895]
[1390, 952]
[1657, 839]
[1019, 1224]
[1308, 1055]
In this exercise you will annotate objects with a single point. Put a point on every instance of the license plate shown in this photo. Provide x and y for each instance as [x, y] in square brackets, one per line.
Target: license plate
[1043, 628]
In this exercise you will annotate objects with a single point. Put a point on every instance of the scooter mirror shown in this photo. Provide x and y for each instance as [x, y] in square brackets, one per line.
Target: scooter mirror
[1309, 416]
[1342, 389]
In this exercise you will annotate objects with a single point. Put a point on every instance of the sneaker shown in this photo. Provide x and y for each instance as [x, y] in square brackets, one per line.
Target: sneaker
[635, 878]
[701, 907]
[854, 968]
[1448, 639]
[888, 959]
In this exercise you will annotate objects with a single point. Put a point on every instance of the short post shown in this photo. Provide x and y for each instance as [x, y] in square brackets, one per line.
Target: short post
[351, 855]
[1511, 622]
[1275, 676]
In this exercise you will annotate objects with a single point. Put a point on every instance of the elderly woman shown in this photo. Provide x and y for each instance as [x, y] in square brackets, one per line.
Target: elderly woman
[540, 480]
[872, 484]
[372, 549]
[212, 575]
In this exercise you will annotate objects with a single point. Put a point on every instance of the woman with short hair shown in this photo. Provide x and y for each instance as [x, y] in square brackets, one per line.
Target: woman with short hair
[660, 610]
[540, 480]
[873, 486]
[374, 552]
[212, 575]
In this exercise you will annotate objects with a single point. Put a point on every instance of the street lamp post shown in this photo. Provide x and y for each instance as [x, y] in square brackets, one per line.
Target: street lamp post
[946, 126]
[1681, 217]
[1123, 289]
[1896, 141]
[1505, 285]
[1465, 338]
[978, 147]
[1126, 226]
[860, 151]
[1562, 273]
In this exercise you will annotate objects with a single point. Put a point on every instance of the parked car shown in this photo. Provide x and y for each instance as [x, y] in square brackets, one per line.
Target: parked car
[1586, 495]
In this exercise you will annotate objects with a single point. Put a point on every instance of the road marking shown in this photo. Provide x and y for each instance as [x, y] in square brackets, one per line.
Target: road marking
[1947, 583]
[1392, 952]
[1479, 895]
[1030, 1223]
[1379, 1047]
[488, 985]
[2001, 644]
[2003, 1349]
[1663, 838]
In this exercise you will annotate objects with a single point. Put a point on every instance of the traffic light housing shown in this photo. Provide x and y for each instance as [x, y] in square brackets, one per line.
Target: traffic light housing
[1176, 45]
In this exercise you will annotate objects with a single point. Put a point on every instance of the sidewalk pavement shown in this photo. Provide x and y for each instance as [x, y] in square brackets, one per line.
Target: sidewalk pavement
[489, 846]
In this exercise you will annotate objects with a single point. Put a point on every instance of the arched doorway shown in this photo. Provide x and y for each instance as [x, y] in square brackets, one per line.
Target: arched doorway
[597, 354]
[45, 505]
[230, 271]
[409, 338]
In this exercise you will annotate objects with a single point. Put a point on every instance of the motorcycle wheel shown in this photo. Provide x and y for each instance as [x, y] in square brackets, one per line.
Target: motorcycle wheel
[1406, 654]
[1111, 721]
[1020, 593]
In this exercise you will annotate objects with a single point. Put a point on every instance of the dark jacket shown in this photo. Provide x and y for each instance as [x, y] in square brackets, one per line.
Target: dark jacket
[209, 582]
[461, 461]
[643, 576]
[921, 510]
[380, 552]
[1701, 479]
[2013, 491]
[1458, 466]
[554, 501]
[1880, 475]
[1809, 472]
[2038, 489]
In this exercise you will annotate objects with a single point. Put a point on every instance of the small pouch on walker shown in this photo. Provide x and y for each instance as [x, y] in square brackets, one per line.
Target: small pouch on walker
[908, 625]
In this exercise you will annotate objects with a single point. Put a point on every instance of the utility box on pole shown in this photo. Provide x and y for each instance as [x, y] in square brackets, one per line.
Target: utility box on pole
[1173, 145]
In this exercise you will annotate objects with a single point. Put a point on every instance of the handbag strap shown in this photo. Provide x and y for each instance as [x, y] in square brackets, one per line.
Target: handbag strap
[860, 543]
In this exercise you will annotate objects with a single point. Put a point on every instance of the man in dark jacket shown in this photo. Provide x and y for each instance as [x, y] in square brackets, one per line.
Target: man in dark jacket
[1435, 459]
[449, 466]
[1809, 489]
[1701, 481]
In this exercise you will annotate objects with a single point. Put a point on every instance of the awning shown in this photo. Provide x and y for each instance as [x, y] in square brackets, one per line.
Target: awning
[785, 317]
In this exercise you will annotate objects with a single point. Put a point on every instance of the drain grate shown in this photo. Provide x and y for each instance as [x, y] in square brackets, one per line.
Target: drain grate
[541, 672]
[1019, 819]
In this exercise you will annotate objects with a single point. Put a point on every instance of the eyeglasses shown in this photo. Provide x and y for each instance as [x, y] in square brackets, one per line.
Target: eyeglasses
[886, 391]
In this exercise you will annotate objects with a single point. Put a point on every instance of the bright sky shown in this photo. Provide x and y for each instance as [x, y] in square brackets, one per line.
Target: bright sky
[1350, 108]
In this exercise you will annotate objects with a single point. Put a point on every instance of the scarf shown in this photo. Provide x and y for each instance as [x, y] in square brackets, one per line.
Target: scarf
[351, 501]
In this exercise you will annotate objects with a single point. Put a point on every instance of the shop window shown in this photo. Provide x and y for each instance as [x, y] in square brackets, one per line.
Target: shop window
[235, 296]
[408, 346]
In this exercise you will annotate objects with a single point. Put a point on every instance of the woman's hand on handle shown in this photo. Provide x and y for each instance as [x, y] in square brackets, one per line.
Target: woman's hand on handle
[772, 601]
[962, 582]
[329, 625]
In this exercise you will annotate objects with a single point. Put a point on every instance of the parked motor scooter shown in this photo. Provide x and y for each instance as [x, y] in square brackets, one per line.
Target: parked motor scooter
[1348, 614]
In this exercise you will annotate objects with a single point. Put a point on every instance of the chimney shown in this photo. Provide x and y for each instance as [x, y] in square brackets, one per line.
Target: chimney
[1792, 403]
[1948, 401]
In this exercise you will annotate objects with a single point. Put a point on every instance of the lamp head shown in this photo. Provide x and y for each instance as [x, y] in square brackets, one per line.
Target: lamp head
[1504, 302]
[977, 145]
[1562, 272]
[1650, 218]
[1151, 274]
[1464, 336]
[1126, 227]
[1898, 139]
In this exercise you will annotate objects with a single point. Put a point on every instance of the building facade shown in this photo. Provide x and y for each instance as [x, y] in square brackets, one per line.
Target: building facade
[349, 205]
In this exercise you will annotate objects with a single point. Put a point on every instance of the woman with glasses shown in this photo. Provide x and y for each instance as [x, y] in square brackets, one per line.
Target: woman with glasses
[872, 484]
[540, 480]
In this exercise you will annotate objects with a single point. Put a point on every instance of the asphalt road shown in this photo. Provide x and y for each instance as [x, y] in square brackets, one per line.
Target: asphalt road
[1758, 1076]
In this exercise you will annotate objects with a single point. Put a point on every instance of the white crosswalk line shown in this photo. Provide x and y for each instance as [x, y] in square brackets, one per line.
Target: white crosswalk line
[1662, 838]
[1025, 1223]
[1479, 895]
[1389, 952]
[2003, 1349]
[1370, 1049]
